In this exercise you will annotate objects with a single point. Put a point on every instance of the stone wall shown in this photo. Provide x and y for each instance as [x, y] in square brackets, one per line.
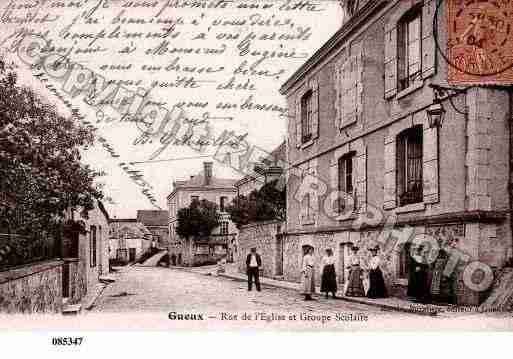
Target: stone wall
[77, 279]
[34, 288]
[264, 237]
[473, 240]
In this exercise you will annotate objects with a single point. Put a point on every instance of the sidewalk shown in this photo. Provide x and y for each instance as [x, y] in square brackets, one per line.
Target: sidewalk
[393, 304]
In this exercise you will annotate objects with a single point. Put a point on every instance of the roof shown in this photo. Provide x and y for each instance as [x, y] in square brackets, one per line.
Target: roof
[118, 220]
[104, 211]
[199, 181]
[368, 8]
[153, 217]
[276, 158]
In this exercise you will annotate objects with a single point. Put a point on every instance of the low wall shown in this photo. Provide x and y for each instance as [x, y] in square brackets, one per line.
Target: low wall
[76, 279]
[33, 288]
[263, 236]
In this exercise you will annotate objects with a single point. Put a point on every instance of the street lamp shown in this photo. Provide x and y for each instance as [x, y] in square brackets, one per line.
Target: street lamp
[436, 114]
[436, 111]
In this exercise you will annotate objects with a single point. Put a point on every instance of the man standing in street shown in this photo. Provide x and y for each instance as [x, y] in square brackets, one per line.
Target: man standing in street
[253, 264]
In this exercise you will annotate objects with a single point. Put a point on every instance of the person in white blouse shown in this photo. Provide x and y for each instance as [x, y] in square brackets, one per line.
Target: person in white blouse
[355, 284]
[329, 275]
[377, 288]
[307, 273]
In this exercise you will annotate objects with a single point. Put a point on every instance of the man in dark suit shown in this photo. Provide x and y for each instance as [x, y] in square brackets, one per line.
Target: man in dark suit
[253, 264]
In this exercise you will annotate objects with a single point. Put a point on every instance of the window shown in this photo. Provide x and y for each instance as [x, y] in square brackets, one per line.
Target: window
[409, 166]
[345, 179]
[409, 51]
[306, 117]
[307, 210]
[194, 199]
[224, 228]
[222, 203]
[92, 246]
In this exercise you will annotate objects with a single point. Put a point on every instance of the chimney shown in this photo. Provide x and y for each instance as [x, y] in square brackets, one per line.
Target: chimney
[207, 172]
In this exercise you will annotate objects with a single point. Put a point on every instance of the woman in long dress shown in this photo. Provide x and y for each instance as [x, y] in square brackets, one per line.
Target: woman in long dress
[329, 276]
[355, 284]
[418, 282]
[441, 285]
[377, 288]
[308, 280]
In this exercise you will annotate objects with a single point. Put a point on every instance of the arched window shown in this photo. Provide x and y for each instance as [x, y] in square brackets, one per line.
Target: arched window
[409, 48]
[409, 166]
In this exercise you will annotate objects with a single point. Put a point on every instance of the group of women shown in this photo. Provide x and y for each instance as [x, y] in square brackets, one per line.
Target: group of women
[357, 271]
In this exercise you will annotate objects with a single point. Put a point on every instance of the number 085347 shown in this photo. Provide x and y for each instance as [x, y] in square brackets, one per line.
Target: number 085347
[67, 340]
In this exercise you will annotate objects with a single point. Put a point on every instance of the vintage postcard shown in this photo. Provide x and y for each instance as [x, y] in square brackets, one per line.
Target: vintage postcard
[298, 165]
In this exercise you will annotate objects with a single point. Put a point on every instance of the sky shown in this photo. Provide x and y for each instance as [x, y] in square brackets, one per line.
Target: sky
[265, 129]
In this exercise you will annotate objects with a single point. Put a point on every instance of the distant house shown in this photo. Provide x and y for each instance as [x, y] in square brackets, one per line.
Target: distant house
[221, 242]
[128, 240]
[156, 223]
[269, 169]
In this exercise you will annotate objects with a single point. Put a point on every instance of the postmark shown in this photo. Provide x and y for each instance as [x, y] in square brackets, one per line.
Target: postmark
[479, 42]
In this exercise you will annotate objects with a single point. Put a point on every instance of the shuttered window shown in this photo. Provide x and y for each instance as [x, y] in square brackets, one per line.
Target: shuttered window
[306, 117]
[345, 179]
[409, 166]
[409, 48]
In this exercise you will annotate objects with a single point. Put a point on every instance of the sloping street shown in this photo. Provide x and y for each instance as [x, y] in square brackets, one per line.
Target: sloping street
[161, 289]
[151, 293]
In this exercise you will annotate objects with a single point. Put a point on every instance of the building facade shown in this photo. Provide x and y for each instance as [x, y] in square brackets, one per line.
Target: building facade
[85, 254]
[270, 169]
[156, 222]
[370, 168]
[222, 241]
[128, 240]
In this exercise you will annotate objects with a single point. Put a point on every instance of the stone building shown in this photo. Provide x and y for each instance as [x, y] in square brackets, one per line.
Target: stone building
[86, 255]
[270, 169]
[129, 239]
[156, 222]
[370, 164]
[222, 241]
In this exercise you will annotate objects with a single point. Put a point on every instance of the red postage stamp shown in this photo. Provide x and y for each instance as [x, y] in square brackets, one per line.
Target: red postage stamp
[480, 42]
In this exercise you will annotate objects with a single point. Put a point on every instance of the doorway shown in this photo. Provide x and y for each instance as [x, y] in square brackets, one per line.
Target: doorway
[279, 255]
[131, 254]
[343, 256]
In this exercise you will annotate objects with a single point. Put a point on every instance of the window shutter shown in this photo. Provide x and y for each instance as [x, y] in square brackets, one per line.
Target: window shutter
[338, 94]
[428, 40]
[315, 109]
[361, 180]
[334, 185]
[389, 199]
[391, 63]
[359, 86]
[430, 186]
[345, 86]
[298, 121]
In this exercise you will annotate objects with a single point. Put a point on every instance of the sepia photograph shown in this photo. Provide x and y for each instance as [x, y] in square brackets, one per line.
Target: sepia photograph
[263, 165]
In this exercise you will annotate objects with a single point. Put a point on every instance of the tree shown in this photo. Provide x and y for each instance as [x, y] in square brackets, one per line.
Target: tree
[41, 174]
[266, 204]
[198, 220]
